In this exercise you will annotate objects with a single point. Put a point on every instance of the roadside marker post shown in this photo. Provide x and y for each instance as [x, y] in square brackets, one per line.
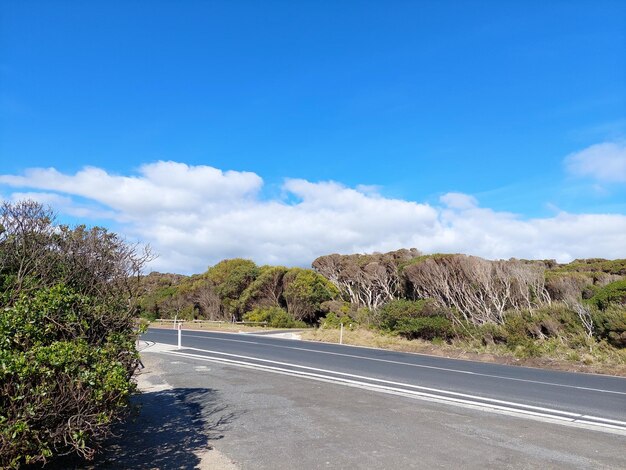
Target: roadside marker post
[341, 334]
[180, 332]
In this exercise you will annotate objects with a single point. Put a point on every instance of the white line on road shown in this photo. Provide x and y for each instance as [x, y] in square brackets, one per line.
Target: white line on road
[382, 381]
[545, 414]
[416, 365]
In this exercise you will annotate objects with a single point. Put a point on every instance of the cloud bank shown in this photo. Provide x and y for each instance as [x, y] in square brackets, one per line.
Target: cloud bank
[194, 216]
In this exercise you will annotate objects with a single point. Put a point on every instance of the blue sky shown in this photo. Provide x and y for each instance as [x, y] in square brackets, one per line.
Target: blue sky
[419, 99]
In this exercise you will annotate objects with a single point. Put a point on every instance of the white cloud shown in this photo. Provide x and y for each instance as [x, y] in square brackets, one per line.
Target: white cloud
[194, 216]
[161, 186]
[604, 162]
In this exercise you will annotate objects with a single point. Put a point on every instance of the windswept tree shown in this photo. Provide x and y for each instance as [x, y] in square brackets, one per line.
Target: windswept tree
[368, 280]
[480, 290]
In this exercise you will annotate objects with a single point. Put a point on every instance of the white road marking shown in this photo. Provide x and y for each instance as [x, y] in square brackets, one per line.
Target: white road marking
[548, 415]
[373, 379]
[416, 365]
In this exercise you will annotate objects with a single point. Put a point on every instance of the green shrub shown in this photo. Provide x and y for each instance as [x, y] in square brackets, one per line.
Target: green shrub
[305, 292]
[425, 328]
[67, 334]
[490, 333]
[62, 382]
[516, 330]
[613, 293]
[525, 348]
[616, 266]
[392, 313]
[275, 317]
[259, 315]
[281, 319]
[610, 324]
[332, 320]
[363, 316]
[415, 319]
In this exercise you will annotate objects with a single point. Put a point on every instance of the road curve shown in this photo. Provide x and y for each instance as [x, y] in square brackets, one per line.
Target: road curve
[587, 399]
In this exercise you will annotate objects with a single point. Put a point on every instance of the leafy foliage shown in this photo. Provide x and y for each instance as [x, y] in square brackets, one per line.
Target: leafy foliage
[67, 339]
[527, 307]
[333, 320]
[230, 278]
[611, 294]
[275, 317]
[617, 266]
[610, 324]
[425, 328]
[266, 290]
[415, 319]
[305, 291]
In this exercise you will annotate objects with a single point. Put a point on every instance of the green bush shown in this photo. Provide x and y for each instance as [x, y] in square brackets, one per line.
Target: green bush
[390, 314]
[332, 320]
[491, 333]
[259, 315]
[415, 319]
[305, 292]
[425, 328]
[275, 317]
[613, 293]
[62, 383]
[610, 324]
[67, 334]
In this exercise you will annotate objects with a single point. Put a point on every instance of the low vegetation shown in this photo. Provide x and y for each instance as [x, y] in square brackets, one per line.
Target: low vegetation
[67, 336]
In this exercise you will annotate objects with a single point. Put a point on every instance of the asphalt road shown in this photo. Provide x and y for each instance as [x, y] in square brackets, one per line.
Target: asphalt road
[574, 399]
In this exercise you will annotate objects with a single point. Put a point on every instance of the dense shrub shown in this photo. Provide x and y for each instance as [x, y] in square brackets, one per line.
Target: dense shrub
[305, 292]
[390, 314]
[415, 319]
[610, 324]
[616, 267]
[491, 333]
[425, 328]
[67, 336]
[62, 382]
[275, 317]
[613, 293]
[334, 320]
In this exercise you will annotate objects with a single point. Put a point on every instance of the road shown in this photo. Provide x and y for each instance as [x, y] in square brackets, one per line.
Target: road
[589, 401]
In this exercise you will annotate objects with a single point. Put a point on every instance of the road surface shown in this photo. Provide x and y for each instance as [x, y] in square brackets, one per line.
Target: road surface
[594, 402]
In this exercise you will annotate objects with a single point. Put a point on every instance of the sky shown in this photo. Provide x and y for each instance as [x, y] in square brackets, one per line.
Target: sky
[280, 131]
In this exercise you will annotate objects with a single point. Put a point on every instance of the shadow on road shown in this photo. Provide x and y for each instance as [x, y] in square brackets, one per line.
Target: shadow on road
[165, 431]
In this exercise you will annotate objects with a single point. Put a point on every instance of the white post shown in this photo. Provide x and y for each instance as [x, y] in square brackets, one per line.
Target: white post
[175, 317]
[180, 331]
[341, 334]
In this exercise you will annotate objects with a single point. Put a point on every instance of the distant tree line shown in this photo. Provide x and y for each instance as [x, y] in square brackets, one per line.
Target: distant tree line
[442, 296]
[237, 289]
